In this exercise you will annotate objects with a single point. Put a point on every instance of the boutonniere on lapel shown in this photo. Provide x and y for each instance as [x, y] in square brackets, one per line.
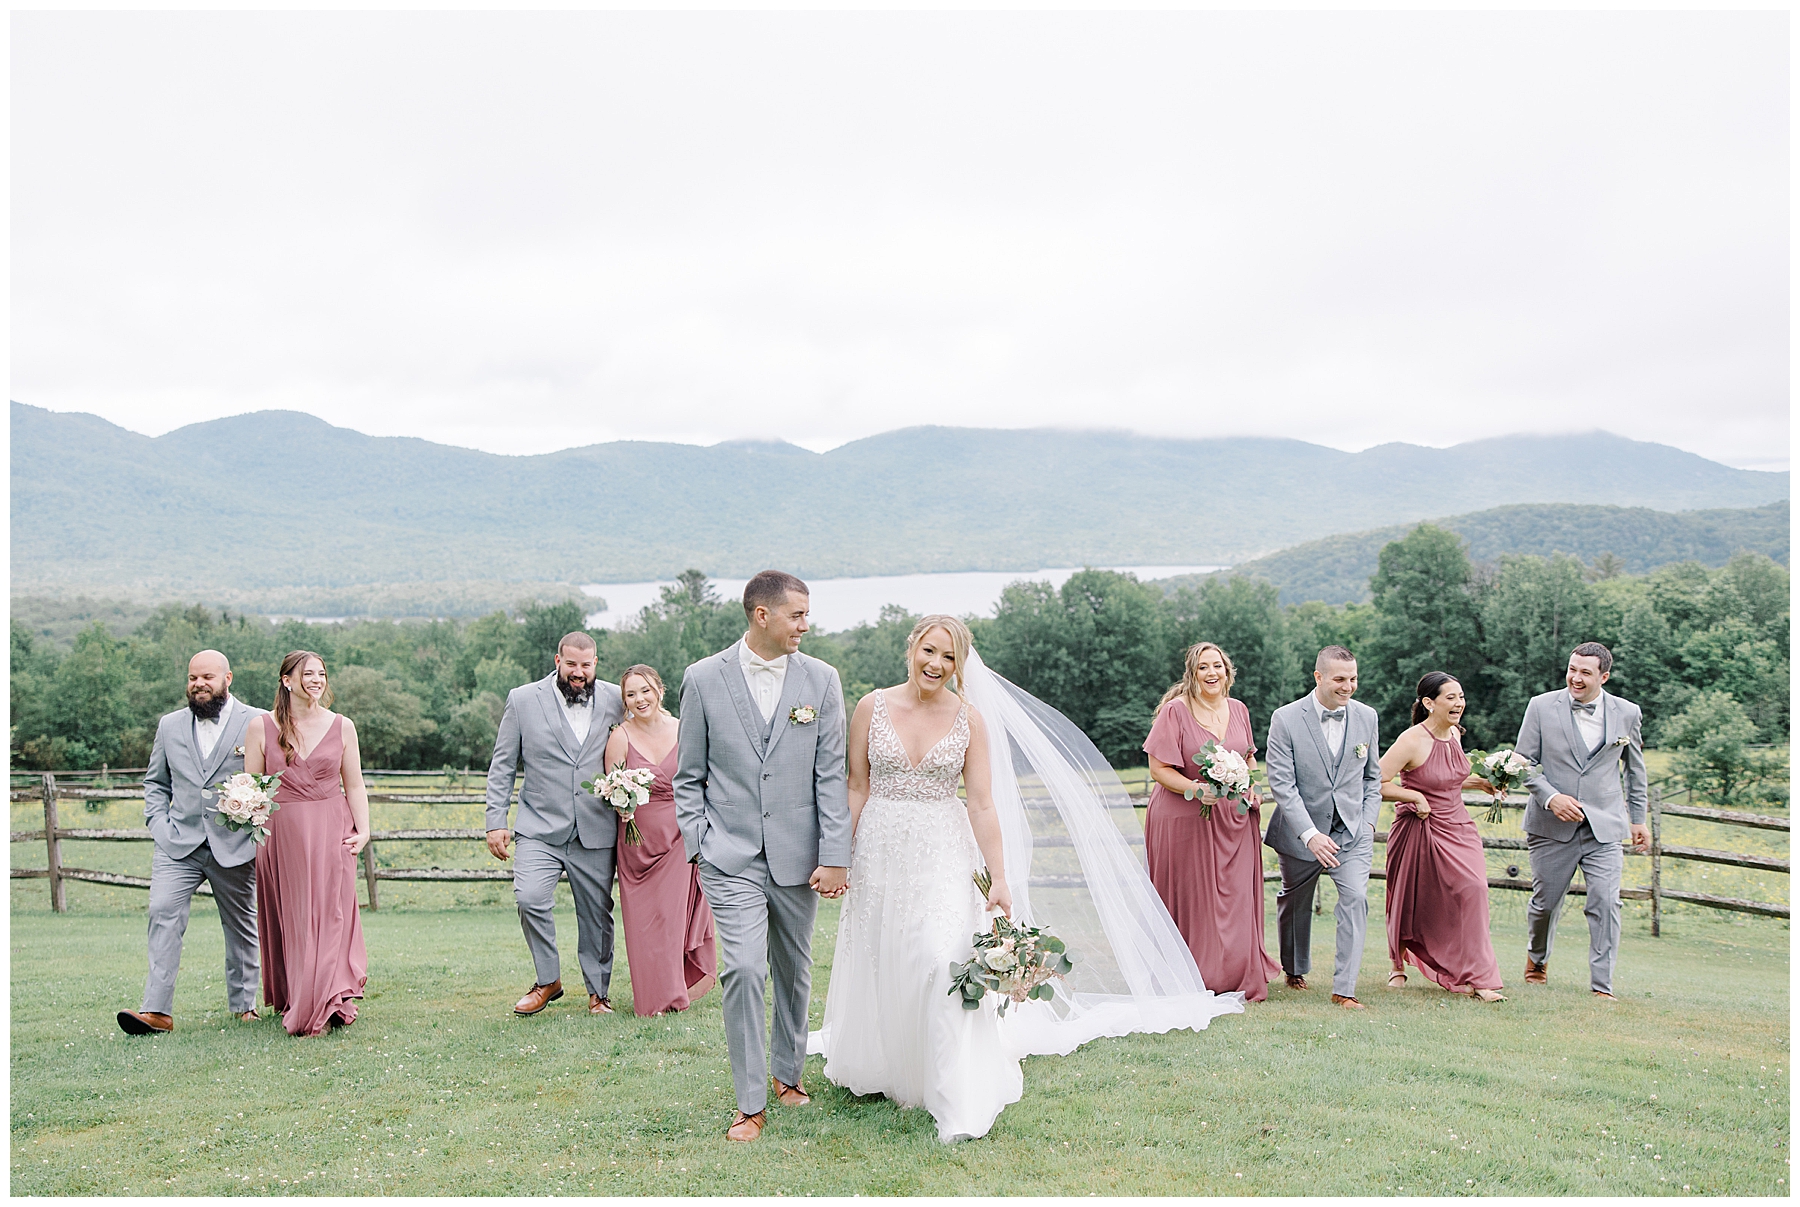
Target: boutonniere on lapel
[804, 714]
[239, 752]
[1621, 741]
[1362, 750]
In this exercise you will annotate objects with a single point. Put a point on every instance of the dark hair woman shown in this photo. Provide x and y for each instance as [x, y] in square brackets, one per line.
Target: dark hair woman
[314, 964]
[668, 924]
[1437, 891]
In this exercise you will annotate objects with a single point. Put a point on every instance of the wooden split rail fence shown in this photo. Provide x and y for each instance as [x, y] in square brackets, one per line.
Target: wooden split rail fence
[54, 834]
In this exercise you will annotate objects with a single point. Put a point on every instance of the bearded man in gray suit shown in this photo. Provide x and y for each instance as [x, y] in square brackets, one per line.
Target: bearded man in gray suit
[1582, 741]
[195, 748]
[1324, 767]
[554, 733]
[763, 806]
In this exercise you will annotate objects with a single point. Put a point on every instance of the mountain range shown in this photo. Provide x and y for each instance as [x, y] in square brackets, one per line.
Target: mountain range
[280, 505]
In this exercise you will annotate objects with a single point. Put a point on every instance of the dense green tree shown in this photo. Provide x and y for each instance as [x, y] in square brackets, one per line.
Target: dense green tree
[1536, 611]
[390, 722]
[868, 656]
[688, 622]
[1711, 738]
[469, 736]
[1427, 619]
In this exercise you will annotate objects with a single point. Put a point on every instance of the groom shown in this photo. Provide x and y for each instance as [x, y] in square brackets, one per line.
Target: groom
[761, 801]
[1324, 766]
[1581, 739]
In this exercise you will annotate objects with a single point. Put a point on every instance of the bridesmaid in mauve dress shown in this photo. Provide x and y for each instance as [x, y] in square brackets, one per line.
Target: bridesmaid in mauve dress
[314, 965]
[1208, 870]
[668, 924]
[1437, 890]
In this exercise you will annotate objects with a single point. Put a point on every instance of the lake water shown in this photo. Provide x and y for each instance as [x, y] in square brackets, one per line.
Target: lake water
[844, 603]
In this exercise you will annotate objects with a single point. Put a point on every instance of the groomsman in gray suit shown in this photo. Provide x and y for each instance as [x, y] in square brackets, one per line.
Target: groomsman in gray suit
[195, 748]
[1324, 766]
[761, 799]
[553, 732]
[1582, 740]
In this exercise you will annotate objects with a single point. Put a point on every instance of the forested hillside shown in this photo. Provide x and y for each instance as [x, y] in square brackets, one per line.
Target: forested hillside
[1634, 540]
[281, 512]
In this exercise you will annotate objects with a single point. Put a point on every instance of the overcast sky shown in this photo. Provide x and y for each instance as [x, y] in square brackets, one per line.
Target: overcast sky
[526, 232]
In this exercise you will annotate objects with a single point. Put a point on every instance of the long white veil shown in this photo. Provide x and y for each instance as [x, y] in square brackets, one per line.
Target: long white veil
[1064, 822]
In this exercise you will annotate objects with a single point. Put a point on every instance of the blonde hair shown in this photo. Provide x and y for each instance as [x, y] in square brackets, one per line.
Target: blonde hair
[961, 642]
[1189, 687]
[647, 674]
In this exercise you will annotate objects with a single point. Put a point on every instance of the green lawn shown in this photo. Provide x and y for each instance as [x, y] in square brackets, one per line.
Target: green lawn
[1680, 1087]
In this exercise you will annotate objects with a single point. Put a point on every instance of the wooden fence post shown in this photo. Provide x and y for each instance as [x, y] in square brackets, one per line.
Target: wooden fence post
[1655, 862]
[53, 847]
[368, 859]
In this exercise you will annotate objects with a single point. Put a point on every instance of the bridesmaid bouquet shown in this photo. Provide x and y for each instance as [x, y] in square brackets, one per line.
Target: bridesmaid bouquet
[625, 789]
[1505, 769]
[245, 802]
[1018, 962]
[1229, 774]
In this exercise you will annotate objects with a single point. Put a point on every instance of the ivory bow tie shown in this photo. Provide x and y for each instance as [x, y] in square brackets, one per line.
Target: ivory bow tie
[759, 667]
[1589, 708]
[1334, 714]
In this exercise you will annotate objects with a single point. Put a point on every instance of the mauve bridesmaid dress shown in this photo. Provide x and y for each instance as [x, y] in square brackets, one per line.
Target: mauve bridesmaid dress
[668, 924]
[1208, 871]
[1437, 890]
[314, 965]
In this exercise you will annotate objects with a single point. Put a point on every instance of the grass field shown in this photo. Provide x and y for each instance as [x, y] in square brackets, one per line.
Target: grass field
[1681, 1087]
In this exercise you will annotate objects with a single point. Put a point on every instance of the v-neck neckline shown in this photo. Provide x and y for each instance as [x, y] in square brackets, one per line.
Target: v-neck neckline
[895, 730]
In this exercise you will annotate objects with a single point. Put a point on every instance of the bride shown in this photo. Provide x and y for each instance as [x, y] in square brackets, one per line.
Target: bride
[1041, 816]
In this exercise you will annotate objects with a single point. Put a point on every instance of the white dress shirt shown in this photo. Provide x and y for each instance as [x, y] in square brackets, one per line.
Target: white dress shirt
[581, 716]
[207, 732]
[1334, 742]
[765, 678]
[1590, 725]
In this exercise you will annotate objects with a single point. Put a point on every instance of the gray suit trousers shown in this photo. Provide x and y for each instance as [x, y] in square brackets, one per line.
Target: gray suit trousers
[765, 929]
[536, 868]
[1553, 866]
[1294, 904]
[172, 885]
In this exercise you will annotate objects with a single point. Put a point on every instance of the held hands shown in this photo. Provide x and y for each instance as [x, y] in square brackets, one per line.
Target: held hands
[830, 882]
[1323, 849]
[1566, 807]
[497, 840]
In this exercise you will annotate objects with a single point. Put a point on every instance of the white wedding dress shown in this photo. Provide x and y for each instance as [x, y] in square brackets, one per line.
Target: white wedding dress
[891, 1026]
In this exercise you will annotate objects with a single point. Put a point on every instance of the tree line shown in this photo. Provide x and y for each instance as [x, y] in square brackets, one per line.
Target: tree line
[1704, 651]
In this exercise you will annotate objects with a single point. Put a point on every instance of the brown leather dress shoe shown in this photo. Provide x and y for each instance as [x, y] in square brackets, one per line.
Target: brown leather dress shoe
[747, 1127]
[539, 997]
[598, 1004]
[1604, 995]
[250, 1016]
[1535, 974]
[147, 1022]
[789, 1095]
[1348, 1003]
[1295, 981]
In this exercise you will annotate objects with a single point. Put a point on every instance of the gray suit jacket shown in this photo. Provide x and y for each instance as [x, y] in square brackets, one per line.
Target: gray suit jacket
[535, 739]
[1549, 738]
[178, 795]
[733, 799]
[1309, 786]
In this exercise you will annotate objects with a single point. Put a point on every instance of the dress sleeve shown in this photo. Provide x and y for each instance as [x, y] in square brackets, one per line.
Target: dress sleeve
[1243, 710]
[1164, 742]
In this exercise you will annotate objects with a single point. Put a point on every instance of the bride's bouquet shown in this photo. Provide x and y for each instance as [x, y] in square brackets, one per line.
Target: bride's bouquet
[1505, 769]
[1229, 774]
[1018, 962]
[625, 789]
[246, 801]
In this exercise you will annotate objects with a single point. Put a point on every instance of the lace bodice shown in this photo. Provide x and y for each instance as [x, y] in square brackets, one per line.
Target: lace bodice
[935, 776]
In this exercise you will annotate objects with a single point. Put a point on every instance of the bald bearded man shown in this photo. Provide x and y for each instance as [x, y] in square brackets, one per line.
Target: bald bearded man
[195, 748]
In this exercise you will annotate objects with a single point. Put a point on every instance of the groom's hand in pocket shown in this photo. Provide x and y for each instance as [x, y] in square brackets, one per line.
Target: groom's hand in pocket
[830, 882]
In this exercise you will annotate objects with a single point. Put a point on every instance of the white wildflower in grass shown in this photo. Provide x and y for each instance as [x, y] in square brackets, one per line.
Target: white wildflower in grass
[1228, 773]
[246, 801]
[625, 790]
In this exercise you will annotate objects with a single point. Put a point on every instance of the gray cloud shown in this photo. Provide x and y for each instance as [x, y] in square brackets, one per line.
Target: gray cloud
[521, 232]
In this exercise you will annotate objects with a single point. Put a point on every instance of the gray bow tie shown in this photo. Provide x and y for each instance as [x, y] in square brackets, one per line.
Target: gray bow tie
[1334, 714]
[1589, 708]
